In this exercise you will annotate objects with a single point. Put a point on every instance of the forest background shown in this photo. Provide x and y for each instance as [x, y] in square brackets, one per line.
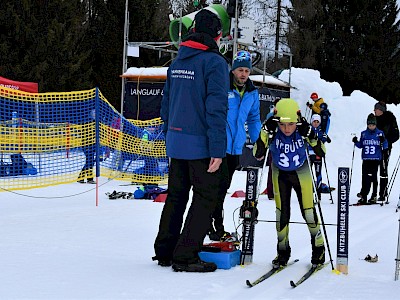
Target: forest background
[78, 44]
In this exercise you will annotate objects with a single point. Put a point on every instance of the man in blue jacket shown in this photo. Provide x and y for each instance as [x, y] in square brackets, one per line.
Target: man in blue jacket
[194, 111]
[244, 108]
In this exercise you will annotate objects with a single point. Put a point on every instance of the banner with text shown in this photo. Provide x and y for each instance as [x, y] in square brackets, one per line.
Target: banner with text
[30, 87]
[143, 100]
[343, 220]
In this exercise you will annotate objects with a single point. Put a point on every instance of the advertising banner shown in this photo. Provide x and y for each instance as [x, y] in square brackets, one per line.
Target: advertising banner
[343, 221]
[30, 87]
[143, 100]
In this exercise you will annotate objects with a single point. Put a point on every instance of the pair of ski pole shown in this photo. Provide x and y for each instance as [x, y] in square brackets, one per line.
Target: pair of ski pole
[316, 200]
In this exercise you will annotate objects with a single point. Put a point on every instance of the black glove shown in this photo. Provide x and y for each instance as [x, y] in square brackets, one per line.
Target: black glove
[270, 125]
[381, 139]
[309, 105]
[355, 140]
[260, 150]
[305, 129]
[326, 137]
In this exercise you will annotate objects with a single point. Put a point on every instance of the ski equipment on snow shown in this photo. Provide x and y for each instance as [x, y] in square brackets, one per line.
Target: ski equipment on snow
[249, 214]
[362, 204]
[311, 271]
[119, 195]
[271, 272]
[371, 259]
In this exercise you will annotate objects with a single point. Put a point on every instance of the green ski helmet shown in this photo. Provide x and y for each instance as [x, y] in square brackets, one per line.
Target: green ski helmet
[287, 110]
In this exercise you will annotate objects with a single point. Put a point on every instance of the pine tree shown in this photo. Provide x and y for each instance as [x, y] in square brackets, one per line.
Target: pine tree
[305, 36]
[41, 42]
[354, 43]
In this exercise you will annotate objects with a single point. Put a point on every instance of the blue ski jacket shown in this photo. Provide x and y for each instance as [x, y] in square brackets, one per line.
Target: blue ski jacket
[194, 104]
[241, 111]
[371, 145]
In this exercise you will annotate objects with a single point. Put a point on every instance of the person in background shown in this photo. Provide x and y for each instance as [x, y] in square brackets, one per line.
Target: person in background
[325, 117]
[373, 143]
[315, 107]
[385, 121]
[89, 150]
[243, 108]
[286, 134]
[194, 110]
[317, 150]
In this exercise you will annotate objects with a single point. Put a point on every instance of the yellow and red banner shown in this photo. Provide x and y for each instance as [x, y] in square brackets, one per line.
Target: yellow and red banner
[30, 87]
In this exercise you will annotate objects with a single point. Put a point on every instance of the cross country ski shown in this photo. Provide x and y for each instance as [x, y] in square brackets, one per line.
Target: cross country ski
[271, 272]
[311, 271]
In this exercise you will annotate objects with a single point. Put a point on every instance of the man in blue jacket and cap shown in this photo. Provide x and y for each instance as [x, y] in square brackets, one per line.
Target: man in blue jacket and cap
[244, 110]
[194, 111]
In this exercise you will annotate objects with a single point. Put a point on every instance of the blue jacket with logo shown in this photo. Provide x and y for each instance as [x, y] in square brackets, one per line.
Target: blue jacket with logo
[241, 111]
[194, 104]
[370, 144]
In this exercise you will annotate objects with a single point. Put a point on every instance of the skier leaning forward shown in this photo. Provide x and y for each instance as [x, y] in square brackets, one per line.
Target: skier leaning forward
[290, 170]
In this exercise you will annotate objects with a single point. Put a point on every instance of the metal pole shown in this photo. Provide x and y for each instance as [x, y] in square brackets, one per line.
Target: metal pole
[397, 270]
[317, 202]
[180, 27]
[124, 60]
[327, 177]
[264, 66]
[277, 31]
[235, 34]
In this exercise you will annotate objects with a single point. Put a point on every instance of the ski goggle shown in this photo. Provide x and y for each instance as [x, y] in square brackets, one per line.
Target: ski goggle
[242, 56]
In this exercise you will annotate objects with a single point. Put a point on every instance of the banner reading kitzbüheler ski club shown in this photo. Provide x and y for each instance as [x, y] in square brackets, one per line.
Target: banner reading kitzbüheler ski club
[343, 220]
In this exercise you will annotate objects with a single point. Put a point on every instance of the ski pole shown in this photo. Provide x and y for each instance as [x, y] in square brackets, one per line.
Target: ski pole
[327, 177]
[389, 187]
[384, 171]
[262, 175]
[308, 113]
[320, 212]
[352, 161]
[397, 269]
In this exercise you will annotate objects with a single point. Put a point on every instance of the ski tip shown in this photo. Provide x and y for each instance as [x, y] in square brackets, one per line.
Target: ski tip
[249, 283]
[292, 284]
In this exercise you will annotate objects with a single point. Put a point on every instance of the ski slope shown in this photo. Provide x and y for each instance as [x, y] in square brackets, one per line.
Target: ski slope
[57, 244]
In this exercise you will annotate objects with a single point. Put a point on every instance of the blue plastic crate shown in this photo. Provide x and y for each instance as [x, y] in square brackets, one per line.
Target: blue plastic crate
[223, 260]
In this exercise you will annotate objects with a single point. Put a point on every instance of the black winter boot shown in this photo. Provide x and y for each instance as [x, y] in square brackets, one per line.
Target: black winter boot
[318, 255]
[199, 266]
[282, 258]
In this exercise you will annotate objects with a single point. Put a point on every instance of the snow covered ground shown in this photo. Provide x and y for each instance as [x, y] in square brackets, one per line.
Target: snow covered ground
[57, 246]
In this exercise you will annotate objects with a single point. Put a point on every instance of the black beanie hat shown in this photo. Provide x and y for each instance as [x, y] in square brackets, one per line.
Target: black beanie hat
[206, 21]
[371, 119]
[381, 106]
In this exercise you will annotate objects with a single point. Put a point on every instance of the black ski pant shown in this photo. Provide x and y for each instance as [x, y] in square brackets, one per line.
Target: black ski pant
[182, 245]
[301, 182]
[369, 175]
[383, 176]
[316, 161]
[217, 217]
[87, 170]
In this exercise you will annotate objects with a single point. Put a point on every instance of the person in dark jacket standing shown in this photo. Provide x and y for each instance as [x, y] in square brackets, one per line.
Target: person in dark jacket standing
[194, 111]
[325, 117]
[244, 108]
[385, 121]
